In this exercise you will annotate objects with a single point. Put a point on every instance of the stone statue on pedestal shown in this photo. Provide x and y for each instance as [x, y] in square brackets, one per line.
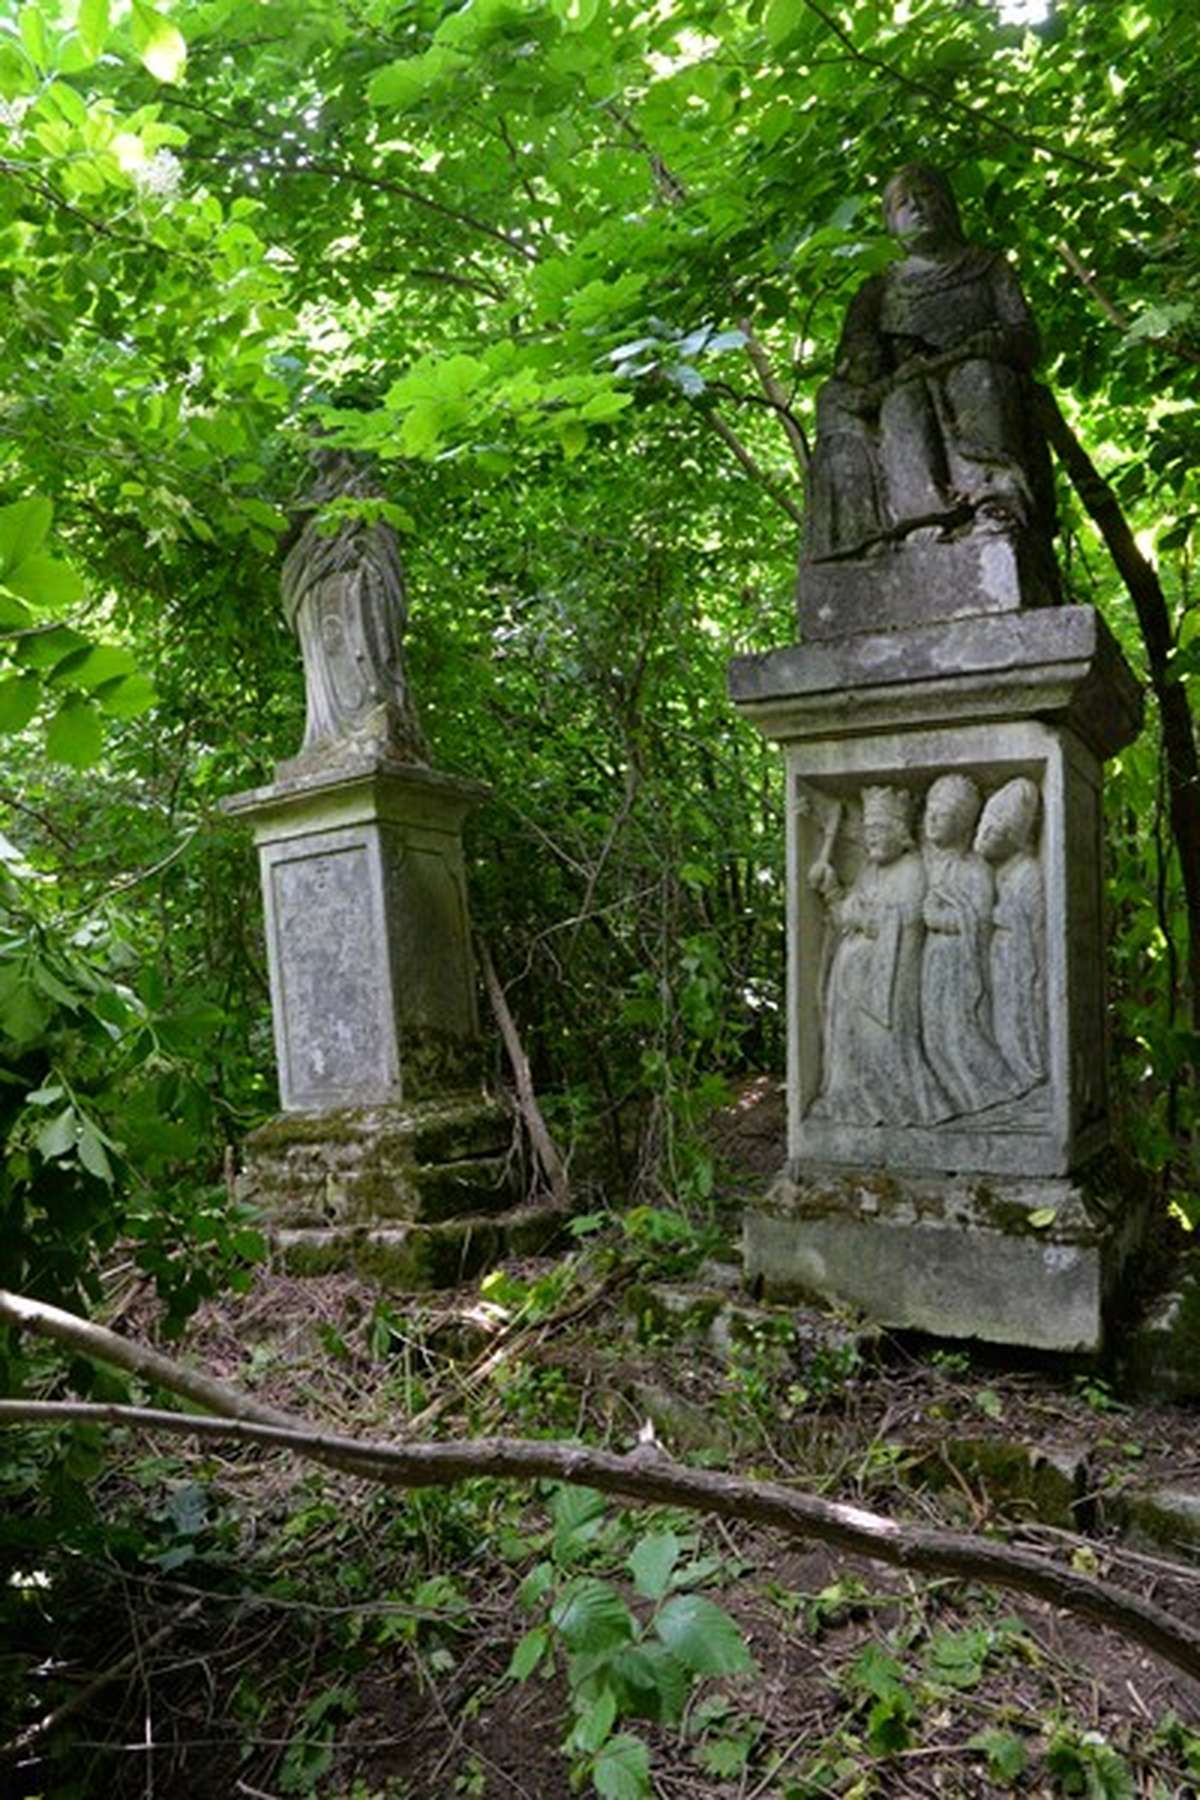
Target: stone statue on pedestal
[928, 449]
[344, 596]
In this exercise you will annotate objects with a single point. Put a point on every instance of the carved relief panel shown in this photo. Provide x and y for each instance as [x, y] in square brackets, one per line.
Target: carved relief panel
[932, 984]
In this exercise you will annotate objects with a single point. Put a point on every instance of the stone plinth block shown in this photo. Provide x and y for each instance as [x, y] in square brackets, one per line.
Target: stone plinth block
[368, 942]
[1004, 1261]
[915, 582]
[422, 1196]
[945, 988]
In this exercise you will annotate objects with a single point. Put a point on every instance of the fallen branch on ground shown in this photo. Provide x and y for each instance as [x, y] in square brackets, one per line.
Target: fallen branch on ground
[639, 1477]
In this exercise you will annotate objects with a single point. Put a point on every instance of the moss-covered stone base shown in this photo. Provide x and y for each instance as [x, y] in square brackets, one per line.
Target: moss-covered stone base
[1005, 1260]
[417, 1256]
[423, 1195]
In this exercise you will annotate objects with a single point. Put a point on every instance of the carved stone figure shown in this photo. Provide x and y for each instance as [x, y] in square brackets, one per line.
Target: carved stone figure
[926, 429]
[1018, 946]
[344, 596]
[873, 1068]
[956, 969]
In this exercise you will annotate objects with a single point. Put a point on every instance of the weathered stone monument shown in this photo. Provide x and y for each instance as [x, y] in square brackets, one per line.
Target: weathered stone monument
[944, 724]
[387, 1153]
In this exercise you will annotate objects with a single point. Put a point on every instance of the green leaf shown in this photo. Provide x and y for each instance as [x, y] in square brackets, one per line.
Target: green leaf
[159, 44]
[651, 1562]
[591, 1616]
[653, 1682]
[92, 1153]
[14, 614]
[703, 1636]
[1006, 1754]
[57, 1138]
[23, 528]
[875, 1672]
[45, 581]
[19, 697]
[529, 1653]
[93, 666]
[1041, 1216]
[622, 1769]
[782, 18]
[127, 697]
[595, 1722]
[92, 26]
[24, 1014]
[888, 1724]
[33, 35]
[76, 735]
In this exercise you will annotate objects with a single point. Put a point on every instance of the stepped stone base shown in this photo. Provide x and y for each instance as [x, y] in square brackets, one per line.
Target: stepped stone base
[1001, 1259]
[415, 1257]
[422, 1196]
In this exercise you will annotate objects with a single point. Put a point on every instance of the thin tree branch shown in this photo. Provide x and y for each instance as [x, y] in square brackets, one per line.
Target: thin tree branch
[77, 1702]
[654, 1480]
[930, 91]
[1150, 604]
[544, 1146]
[1109, 307]
[776, 393]
[754, 469]
[360, 178]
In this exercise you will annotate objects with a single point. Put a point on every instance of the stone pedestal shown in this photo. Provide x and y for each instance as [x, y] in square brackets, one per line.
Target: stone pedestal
[387, 1155]
[368, 943]
[946, 1007]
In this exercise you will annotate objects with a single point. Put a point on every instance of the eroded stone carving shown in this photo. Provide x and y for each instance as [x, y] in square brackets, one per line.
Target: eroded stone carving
[932, 992]
[1018, 946]
[874, 1069]
[344, 595]
[926, 430]
[955, 968]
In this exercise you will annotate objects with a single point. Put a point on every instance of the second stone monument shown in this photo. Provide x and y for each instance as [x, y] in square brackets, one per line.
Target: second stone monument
[387, 1154]
[944, 725]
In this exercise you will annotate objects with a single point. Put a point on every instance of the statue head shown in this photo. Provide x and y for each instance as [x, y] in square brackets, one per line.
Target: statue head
[887, 823]
[1008, 820]
[951, 809]
[919, 208]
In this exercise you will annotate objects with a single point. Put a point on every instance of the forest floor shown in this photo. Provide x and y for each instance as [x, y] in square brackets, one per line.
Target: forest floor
[272, 1628]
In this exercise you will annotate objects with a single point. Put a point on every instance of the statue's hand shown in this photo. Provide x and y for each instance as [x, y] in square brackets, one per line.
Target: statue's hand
[822, 878]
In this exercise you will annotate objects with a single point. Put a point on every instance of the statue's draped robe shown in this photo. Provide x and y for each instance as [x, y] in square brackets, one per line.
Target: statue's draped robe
[1018, 967]
[955, 982]
[874, 1071]
[897, 451]
[344, 595]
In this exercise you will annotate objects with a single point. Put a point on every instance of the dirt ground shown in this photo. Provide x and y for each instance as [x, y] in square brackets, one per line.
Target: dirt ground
[263, 1628]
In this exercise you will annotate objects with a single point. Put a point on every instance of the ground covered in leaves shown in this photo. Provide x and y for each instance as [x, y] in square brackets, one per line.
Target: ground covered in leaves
[242, 1624]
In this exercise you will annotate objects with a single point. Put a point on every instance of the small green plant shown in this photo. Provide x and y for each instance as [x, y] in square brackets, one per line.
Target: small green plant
[1084, 1763]
[623, 1664]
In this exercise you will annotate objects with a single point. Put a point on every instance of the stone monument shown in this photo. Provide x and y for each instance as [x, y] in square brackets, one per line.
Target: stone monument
[944, 723]
[387, 1154]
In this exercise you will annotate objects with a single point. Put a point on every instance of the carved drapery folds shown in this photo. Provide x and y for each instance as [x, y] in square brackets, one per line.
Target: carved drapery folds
[932, 986]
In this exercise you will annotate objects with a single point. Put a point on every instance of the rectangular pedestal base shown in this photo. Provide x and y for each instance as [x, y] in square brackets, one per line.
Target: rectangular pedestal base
[1003, 1260]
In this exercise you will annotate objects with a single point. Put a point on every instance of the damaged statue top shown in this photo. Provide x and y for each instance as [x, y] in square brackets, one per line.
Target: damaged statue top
[344, 596]
[926, 433]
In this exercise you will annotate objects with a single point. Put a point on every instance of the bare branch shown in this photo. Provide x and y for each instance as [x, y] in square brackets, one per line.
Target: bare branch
[753, 468]
[653, 1479]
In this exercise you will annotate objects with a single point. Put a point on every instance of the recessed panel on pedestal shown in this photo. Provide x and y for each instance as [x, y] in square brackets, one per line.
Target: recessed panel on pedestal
[331, 1004]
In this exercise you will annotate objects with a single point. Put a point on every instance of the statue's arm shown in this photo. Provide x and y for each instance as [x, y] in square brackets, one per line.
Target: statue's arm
[1013, 339]
[862, 351]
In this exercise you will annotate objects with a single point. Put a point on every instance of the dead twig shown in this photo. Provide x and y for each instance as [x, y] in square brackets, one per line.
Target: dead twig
[76, 1703]
[544, 1147]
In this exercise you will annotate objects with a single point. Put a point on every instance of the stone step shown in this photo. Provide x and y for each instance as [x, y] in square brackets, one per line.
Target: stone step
[418, 1256]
